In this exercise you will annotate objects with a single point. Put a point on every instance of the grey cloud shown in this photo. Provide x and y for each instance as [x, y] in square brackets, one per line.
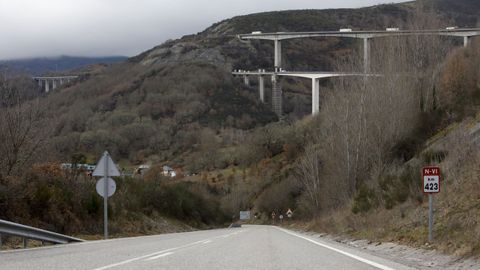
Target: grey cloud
[31, 28]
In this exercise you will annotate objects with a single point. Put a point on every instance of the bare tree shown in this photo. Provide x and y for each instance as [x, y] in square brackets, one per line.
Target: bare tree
[308, 173]
[23, 127]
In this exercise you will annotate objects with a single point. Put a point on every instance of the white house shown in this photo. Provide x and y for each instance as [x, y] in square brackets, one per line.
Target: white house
[168, 171]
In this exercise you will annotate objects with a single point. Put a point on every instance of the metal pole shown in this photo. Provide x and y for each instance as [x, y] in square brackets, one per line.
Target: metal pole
[105, 198]
[430, 217]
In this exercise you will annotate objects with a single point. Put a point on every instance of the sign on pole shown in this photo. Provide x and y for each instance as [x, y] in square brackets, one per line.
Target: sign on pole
[431, 185]
[431, 180]
[112, 186]
[106, 168]
[244, 215]
[289, 213]
[101, 168]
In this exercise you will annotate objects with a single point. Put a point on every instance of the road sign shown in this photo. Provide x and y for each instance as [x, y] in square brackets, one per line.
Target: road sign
[431, 185]
[280, 217]
[289, 213]
[100, 169]
[112, 186]
[273, 215]
[431, 180]
[106, 168]
[244, 215]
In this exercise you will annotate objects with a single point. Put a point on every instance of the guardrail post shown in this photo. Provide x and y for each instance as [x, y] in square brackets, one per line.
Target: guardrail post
[25, 242]
[0, 241]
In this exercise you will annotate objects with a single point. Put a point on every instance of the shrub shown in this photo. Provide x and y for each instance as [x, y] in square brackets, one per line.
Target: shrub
[365, 200]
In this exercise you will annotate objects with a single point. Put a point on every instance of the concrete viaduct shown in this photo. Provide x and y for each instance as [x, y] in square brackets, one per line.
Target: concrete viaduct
[366, 36]
[45, 82]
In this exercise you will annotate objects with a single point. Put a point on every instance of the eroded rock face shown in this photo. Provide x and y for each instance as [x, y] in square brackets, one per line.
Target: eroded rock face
[184, 52]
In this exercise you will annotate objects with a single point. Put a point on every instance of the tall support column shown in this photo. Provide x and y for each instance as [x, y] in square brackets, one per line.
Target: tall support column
[246, 80]
[278, 55]
[47, 86]
[465, 41]
[315, 96]
[276, 96]
[54, 84]
[366, 55]
[261, 88]
[39, 83]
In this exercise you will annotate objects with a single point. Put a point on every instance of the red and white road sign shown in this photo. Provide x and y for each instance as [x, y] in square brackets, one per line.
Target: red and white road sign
[431, 180]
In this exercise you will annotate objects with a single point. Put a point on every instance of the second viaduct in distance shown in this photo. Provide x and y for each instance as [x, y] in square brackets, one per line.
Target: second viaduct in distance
[366, 36]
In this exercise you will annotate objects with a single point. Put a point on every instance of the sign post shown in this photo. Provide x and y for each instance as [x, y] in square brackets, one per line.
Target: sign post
[289, 213]
[431, 185]
[106, 168]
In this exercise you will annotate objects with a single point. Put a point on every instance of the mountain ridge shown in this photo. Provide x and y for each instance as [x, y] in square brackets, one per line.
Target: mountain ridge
[44, 65]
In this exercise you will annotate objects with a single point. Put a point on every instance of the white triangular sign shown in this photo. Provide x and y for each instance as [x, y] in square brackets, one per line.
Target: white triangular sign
[100, 168]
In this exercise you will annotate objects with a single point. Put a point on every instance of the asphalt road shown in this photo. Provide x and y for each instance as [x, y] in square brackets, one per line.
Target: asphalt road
[249, 247]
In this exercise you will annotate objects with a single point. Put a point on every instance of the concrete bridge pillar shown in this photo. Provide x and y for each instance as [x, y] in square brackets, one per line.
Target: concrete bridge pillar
[315, 96]
[261, 88]
[278, 55]
[246, 80]
[54, 84]
[276, 96]
[465, 41]
[39, 83]
[47, 86]
[366, 55]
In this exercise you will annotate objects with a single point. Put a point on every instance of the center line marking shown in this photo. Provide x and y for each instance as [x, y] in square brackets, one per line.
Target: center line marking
[206, 242]
[159, 256]
[157, 253]
[148, 255]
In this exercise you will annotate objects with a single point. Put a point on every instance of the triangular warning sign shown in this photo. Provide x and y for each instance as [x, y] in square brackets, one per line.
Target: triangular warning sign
[100, 168]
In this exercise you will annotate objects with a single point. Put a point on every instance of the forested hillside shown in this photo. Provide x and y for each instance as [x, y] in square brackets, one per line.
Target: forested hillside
[178, 104]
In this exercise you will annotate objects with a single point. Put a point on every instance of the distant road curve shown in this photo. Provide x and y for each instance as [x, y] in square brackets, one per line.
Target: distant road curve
[249, 247]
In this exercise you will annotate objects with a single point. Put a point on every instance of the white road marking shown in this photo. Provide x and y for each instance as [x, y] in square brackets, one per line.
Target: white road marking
[204, 241]
[159, 256]
[148, 255]
[358, 258]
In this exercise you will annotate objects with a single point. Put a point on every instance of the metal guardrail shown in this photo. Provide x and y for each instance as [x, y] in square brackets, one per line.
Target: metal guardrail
[27, 232]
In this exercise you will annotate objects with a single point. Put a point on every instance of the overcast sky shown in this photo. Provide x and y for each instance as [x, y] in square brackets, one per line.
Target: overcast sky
[31, 28]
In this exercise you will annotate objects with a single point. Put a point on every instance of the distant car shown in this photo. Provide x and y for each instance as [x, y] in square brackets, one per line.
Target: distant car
[256, 32]
[451, 28]
[345, 30]
[235, 225]
[392, 29]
